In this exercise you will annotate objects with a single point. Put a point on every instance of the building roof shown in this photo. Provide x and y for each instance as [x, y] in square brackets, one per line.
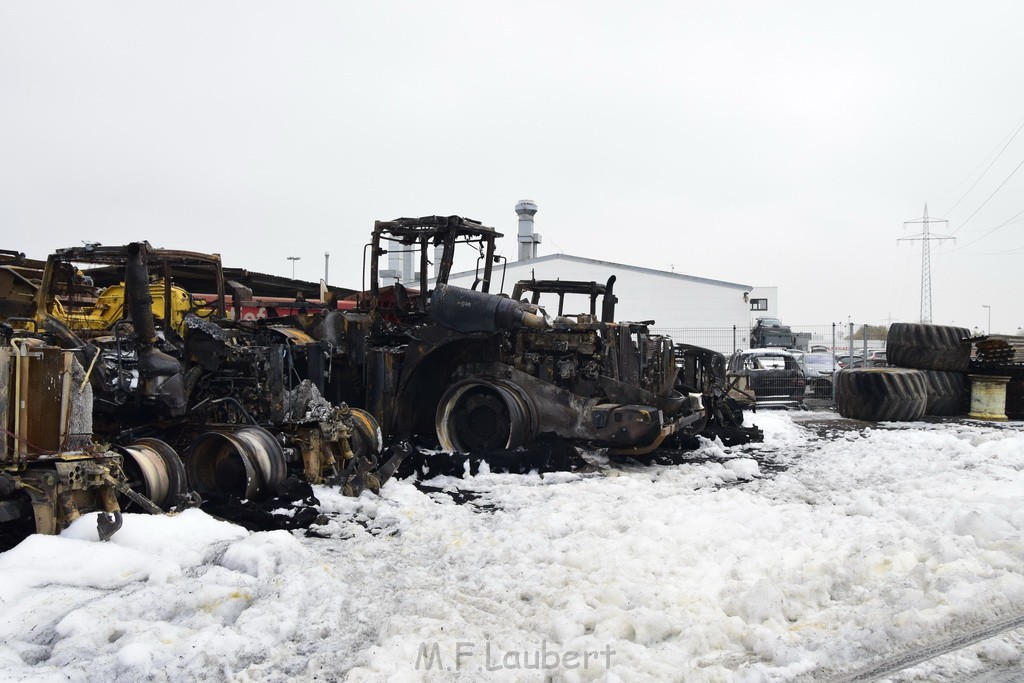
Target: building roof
[620, 266]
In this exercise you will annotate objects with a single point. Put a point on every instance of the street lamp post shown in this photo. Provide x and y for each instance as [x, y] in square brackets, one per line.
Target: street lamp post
[989, 317]
[293, 259]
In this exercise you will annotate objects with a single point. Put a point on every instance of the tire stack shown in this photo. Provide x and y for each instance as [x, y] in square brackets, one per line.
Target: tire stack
[928, 376]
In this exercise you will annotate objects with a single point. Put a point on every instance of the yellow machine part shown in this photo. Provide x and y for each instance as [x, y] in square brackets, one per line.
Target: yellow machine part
[109, 308]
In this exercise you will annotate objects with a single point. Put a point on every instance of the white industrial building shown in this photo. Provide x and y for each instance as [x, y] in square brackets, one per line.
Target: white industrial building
[692, 309]
[672, 299]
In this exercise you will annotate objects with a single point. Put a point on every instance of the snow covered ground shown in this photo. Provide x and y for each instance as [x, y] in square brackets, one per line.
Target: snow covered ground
[803, 558]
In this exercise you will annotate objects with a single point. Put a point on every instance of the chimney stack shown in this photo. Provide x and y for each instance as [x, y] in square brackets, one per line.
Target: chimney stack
[528, 239]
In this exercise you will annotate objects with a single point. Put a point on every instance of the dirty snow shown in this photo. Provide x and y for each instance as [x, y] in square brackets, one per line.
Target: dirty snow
[812, 554]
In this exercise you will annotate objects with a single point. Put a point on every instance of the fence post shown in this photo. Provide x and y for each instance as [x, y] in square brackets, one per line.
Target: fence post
[733, 339]
[865, 345]
[850, 353]
[833, 348]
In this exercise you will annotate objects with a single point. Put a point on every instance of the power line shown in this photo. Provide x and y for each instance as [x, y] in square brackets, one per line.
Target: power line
[1012, 219]
[989, 197]
[1014, 251]
[1017, 129]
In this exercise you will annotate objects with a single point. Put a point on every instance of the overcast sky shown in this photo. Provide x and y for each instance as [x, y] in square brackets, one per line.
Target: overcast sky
[778, 143]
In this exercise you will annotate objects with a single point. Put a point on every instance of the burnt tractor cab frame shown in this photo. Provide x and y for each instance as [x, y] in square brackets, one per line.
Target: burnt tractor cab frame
[766, 378]
[593, 291]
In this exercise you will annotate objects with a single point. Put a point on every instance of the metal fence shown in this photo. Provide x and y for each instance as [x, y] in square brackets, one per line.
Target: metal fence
[830, 337]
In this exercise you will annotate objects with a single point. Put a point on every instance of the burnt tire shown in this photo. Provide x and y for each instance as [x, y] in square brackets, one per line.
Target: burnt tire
[484, 414]
[928, 347]
[948, 392]
[366, 436]
[881, 394]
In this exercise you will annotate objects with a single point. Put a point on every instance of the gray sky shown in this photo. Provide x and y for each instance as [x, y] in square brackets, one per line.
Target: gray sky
[766, 143]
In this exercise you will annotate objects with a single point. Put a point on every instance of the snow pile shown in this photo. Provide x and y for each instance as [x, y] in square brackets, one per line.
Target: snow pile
[801, 557]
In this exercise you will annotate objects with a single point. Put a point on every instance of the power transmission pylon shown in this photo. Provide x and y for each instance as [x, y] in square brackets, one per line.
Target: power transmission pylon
[926, 239]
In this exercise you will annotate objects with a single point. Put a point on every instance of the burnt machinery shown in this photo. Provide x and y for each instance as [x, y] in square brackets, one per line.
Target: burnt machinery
[190, 398]
[50, 470]
[473, 370]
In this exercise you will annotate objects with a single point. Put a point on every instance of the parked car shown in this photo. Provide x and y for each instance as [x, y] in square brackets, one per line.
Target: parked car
[844, 360]
[823, 363]
[766, 377]
[873, 361]
[819, 368]
[770, 332]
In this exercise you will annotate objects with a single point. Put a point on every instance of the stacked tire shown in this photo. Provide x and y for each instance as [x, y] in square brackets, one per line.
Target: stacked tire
[928, 347]
[948, 392]
[929, 377]
[881, 394]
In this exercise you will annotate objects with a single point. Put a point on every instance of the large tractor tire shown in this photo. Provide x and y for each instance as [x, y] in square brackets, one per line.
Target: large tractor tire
[948, 392]
[881, 394]
[928, 347]
[484, 414]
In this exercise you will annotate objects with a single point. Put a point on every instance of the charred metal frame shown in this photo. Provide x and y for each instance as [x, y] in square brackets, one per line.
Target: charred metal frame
[169, 261]
[593, 290]
[424, 232]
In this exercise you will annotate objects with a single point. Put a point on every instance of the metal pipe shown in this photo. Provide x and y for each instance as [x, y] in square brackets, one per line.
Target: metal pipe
[65, 398]
[850, 338]
[221, 294]
[167, 298]
[88, 373]
[833, 354]
[138, 298]
[17, 397]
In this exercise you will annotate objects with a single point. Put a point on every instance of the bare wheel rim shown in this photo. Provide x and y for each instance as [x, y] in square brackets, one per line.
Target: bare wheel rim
[155, 470]
[483, 414]
[218, 464]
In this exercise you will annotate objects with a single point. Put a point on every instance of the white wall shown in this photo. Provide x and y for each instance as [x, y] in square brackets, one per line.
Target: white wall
[672, 301]
[771, 295]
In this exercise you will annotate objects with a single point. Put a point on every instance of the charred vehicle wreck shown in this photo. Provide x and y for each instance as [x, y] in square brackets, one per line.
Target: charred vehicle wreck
[192, 397]
[195, 402]
[482, 371]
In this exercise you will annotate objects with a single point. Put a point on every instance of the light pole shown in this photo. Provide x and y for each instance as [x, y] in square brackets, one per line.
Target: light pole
[293, 259]
[989, 317]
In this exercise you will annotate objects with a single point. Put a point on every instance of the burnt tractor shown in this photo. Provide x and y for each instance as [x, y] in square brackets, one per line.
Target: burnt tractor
[471, 370]
[192, 400]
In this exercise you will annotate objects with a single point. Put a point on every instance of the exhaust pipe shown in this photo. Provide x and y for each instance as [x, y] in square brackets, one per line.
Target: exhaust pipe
[467, 310]
[608, 305]
[137, 297]
[160, 373]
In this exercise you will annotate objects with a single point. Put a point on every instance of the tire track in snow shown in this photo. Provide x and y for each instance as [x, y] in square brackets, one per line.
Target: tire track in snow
[895, 663]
